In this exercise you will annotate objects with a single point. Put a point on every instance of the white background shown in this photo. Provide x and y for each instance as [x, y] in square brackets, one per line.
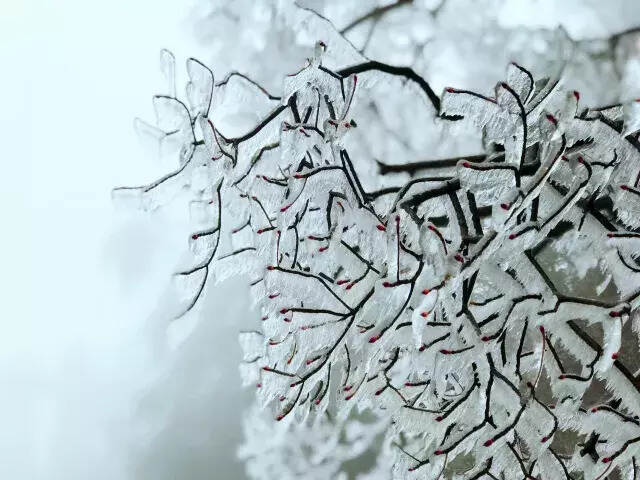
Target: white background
[88, 388]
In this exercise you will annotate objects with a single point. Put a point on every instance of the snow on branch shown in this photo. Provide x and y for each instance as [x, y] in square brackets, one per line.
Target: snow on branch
[456, 305]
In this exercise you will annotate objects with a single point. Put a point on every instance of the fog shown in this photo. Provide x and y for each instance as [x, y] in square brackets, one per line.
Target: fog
[95, 382]
[91, 387]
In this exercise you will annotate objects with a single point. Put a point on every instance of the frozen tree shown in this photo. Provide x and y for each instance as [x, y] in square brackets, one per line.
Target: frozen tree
[483, 305]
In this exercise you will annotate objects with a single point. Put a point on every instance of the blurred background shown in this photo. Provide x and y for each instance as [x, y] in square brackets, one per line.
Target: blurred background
[94, 380]
[90, 384]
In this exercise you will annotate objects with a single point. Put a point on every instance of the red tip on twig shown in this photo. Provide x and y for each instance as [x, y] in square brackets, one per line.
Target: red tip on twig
[374, 339]
[614, 314]
[459, 258]
[438, 419]
[426, 291]
[279, 418]
[544, 439]
[504, 206]
[552, 119]
[424, 314]
[444, 351]
[512, 236]
[594, 409]
[485, 339]
[422, 347]
[541, 329]
[606, 460]
[562, 377]
[610, 235]
[270, 267]
[450, 90]
[488, 443]
[386, 284]
[614, 355]
[194, 236]
[438, 452]
[378, 392]
[577, 95]
[298, 176]
[284, 310]
[624, 187]
[381, 227]
[466, 164]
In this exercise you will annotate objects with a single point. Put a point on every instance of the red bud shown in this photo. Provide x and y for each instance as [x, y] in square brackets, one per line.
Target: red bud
[374, 339]
[488, 443]
[381, 227]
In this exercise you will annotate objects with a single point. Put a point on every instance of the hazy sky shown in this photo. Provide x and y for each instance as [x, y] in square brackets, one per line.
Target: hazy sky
[89, 389]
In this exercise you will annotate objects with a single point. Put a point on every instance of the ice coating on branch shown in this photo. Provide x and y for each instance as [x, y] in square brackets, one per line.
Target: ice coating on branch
[453, 305]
